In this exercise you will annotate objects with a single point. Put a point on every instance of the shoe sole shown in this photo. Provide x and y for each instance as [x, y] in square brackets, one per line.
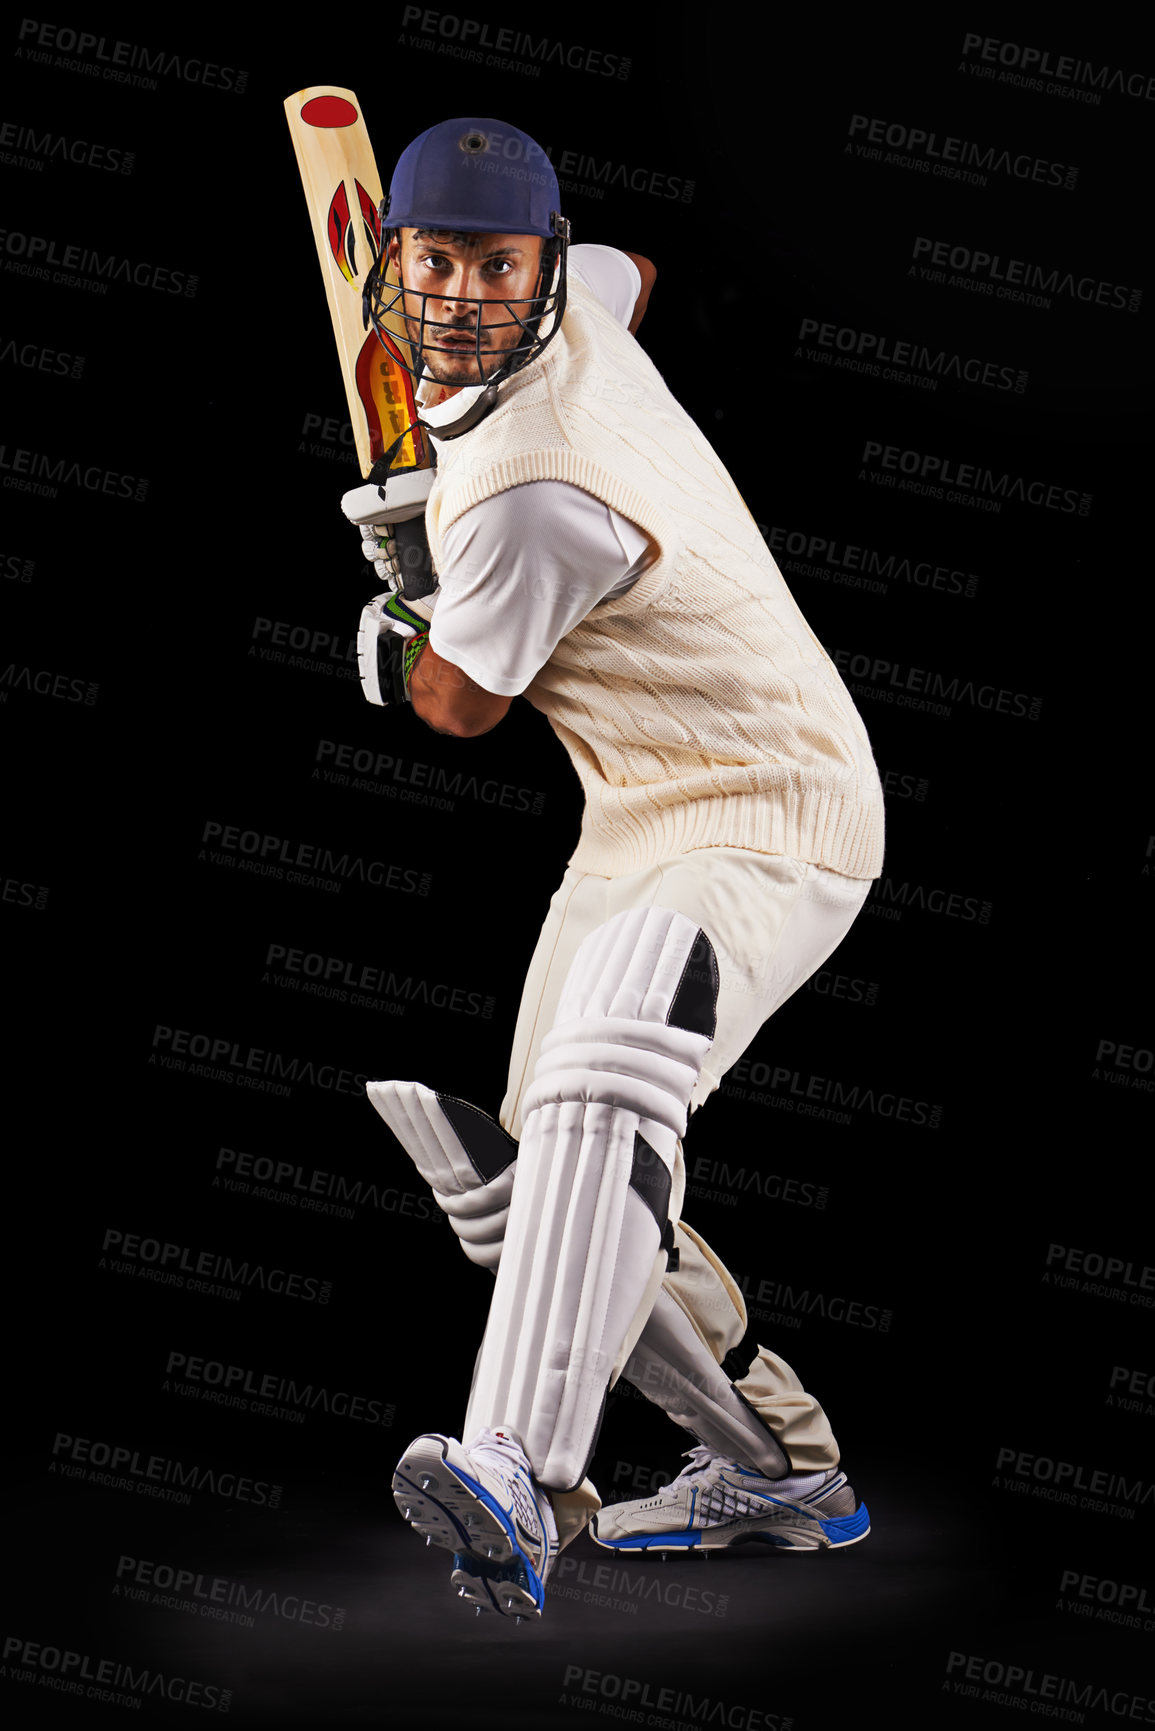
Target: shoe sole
[509, 1590]
[448, 1507]
[830, 1535]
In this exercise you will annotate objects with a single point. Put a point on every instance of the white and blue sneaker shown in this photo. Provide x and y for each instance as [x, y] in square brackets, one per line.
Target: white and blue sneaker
[481, 1502]
[716, 1503]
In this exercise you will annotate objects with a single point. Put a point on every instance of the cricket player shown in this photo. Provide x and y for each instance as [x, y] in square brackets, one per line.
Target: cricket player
[590, 552]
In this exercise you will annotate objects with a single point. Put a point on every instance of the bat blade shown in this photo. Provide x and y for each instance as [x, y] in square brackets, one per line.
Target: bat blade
[343, 193]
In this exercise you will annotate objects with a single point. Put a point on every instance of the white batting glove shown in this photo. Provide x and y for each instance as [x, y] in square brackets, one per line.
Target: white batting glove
[379, 546]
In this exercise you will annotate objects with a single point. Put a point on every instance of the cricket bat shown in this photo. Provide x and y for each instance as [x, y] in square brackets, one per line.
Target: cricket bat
[343, 192]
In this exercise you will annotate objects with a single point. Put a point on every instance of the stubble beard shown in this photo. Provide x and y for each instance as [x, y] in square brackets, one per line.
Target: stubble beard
[462, 370]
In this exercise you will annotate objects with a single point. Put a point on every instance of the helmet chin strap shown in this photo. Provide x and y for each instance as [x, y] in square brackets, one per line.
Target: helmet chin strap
[469, 418]
[476, 412]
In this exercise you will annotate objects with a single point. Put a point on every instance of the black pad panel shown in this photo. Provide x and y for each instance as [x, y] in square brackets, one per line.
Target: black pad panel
[739, 1358]
[651, 1179]
[695, 1005]
[490, 1148]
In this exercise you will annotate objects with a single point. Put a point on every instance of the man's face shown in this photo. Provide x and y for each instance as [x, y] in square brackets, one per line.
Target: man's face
[457, 272]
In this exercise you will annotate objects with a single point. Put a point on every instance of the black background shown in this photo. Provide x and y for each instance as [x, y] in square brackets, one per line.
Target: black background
[995, 982]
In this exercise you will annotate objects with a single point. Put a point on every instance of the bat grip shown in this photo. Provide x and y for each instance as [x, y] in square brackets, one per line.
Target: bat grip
[414, 560]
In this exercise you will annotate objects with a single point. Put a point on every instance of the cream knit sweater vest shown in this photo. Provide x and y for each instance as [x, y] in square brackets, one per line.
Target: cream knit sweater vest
[699, 709]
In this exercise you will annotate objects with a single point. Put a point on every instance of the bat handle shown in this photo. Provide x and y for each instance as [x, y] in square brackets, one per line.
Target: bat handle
[414, 559]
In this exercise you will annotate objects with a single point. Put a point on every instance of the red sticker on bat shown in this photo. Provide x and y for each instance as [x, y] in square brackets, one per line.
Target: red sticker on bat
[339, 229]
[329, 111]
[369, 212]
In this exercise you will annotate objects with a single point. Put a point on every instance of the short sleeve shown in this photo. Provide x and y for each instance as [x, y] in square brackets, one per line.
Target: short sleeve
[520, 570]
[609, 274]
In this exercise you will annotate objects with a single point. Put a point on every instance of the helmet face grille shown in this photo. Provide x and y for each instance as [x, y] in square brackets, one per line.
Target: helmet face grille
[471, 176]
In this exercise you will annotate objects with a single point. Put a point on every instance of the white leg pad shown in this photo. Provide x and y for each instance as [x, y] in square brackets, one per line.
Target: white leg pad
[464, 1156]
[588, 1227]
[672, 1366]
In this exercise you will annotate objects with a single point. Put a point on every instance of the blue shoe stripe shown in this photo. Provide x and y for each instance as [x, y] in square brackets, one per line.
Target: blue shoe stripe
[848, 1527]
[654, 1541]
[483, 1496]
[841, 1531]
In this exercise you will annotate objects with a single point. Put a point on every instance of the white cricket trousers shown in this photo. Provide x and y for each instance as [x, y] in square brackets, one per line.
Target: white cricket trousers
[773, 921]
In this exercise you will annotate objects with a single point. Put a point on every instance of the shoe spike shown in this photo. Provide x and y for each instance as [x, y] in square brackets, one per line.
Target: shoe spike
[407, 1514]
[461, 1592]
[426, 1481]
[429, 1538]
[477, 1610]
[517, 1622]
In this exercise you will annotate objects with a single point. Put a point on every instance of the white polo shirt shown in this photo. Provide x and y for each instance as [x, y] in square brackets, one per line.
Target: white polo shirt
[522, 568]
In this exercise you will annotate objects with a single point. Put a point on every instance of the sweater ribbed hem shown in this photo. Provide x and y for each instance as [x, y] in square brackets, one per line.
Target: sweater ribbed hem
[843, 835]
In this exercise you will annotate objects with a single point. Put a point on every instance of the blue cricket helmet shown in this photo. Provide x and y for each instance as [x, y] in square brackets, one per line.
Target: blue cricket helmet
[476, 176]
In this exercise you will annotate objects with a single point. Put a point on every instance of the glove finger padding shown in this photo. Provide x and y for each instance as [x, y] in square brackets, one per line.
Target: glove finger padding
[390, 637]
